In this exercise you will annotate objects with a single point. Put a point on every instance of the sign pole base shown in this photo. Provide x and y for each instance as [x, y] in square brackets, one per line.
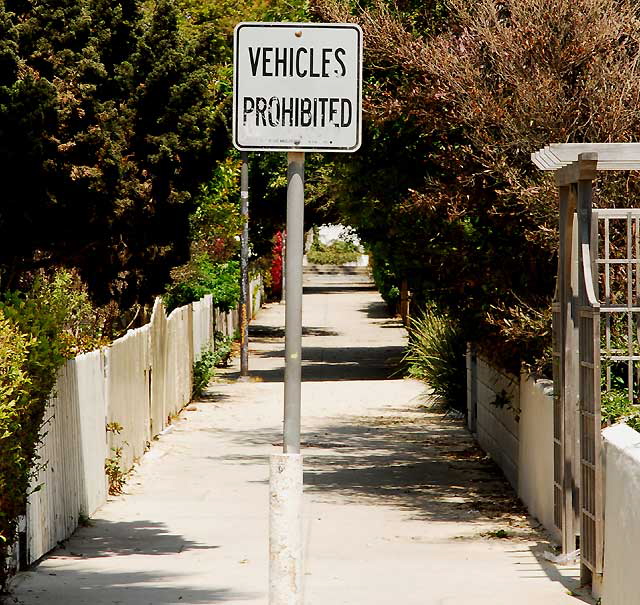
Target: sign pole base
[285, 530]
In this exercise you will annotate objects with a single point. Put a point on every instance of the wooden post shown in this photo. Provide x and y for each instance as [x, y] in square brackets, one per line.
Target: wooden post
[404, 302]
[472, 387]
[568, 367]
[576, 166]
[591, 466]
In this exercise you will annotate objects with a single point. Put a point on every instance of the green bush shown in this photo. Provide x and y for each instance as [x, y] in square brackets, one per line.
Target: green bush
[222, 348]
[202, 373]
[66, 298]
[615, 406]
[202, 276]
[339, 252]
[216, 357]
[33, 350]
[387, 284]
[435, 354]
[51, 321]
[14, 455]
[116, 477]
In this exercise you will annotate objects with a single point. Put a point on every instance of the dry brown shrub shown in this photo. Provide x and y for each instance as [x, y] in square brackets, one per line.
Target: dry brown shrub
[498, 81]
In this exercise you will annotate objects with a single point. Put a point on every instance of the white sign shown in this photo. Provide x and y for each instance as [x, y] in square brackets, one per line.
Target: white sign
[297, 87]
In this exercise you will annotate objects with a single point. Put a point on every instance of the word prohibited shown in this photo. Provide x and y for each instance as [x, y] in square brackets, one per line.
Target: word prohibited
[297, 87]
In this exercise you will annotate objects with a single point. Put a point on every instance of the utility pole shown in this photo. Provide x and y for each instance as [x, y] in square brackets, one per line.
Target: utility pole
[244, 267]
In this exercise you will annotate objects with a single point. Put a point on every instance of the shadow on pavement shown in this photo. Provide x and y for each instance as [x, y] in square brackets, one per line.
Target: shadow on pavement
[428, 465]
[140, 538]
[123, 587]
[210, 395]
[320, 364]
[331, 362]
[276, 332]
[378, 310]
[542, 567]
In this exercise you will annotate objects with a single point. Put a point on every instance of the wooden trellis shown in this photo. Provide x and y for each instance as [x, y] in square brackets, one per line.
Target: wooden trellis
[596, 323]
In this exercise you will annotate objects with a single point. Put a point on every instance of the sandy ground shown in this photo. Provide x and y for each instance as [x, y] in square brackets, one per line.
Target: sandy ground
[401, 506]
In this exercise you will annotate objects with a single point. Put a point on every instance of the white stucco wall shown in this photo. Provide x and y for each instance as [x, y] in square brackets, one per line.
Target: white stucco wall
[622, 519]
[522, 445]
[535, 459]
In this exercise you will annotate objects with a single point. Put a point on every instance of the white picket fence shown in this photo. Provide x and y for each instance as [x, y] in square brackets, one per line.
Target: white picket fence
[134, 385]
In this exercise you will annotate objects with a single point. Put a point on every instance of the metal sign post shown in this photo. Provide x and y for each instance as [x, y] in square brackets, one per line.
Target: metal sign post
[297, 88]
[244, 267]
[284, 260]
[293, 302]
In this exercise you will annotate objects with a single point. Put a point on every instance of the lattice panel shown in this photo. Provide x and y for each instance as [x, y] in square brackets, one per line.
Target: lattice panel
[557, 420]
[618, 266]
[590, 440]
[609, 356]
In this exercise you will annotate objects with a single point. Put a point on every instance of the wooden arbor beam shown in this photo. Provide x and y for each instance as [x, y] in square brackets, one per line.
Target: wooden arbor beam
[584, 169]
[610, 156]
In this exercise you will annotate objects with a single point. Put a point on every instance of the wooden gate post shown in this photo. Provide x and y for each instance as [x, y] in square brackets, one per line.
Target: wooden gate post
[591, 468]
[577, 305]
[568, 367]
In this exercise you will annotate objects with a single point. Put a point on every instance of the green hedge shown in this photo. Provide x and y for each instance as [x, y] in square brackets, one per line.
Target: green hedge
[202, 277]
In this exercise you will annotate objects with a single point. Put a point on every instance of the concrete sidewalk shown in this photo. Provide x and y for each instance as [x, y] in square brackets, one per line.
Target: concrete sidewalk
[400, 504]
